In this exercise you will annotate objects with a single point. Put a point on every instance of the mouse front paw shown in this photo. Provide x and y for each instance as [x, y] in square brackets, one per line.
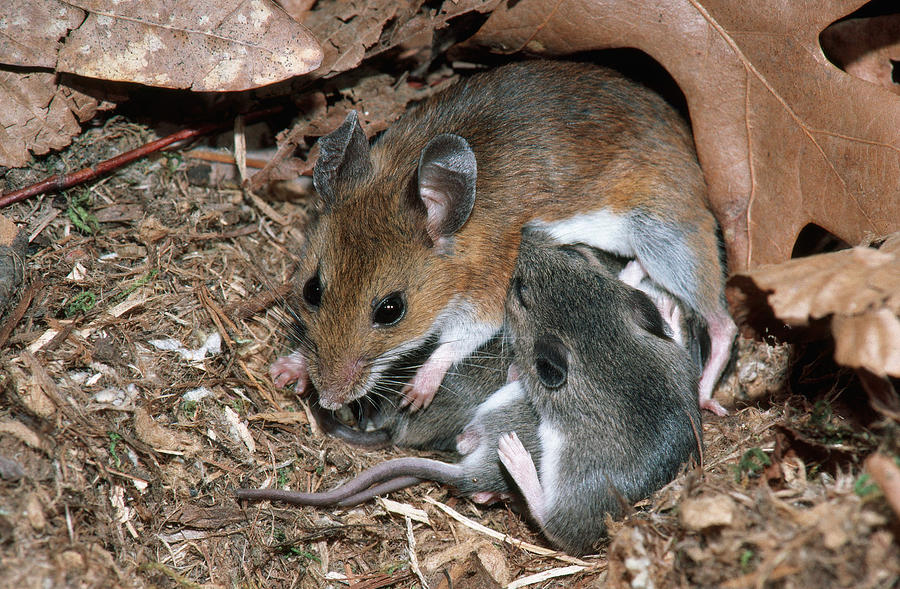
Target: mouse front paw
[288, 369]
[419, 393]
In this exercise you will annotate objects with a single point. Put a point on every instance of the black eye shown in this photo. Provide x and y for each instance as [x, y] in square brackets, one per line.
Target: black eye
[551, 361]
[312, 291]
[389, 310]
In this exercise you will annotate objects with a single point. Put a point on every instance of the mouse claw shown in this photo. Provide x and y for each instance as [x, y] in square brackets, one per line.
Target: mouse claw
[416, 397]
[288, 369]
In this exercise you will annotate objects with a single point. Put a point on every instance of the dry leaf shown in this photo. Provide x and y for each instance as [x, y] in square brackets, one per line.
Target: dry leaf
[36, 116]
[205, 46]
[158, 436]
[358, 29]
[30, 31]
[859, 288]
[846, 282]
[870, 341]
[781, 132]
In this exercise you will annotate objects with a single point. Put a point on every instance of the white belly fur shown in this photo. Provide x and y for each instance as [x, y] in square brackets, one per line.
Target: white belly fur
[552, 443]
[600, 229]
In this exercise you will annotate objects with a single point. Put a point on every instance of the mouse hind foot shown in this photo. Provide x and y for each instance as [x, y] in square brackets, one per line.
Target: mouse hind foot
[722, 331]
[520, 465]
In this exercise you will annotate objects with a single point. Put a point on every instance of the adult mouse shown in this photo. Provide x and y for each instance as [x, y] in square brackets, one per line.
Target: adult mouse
[419, 232]
[603, 405]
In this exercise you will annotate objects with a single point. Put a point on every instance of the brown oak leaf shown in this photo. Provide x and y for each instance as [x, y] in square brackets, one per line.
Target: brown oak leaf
[785, 137]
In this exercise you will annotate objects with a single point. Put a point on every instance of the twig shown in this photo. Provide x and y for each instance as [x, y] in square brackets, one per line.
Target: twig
[544, 576]
[413, 559]
[19, 311]
[533, 548]
[61, 182]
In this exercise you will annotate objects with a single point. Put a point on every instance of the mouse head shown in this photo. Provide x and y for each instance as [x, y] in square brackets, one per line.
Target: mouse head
[377, 271]
[570, 318]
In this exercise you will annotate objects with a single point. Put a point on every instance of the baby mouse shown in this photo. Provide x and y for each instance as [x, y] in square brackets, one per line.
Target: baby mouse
[419, 232]
[615, 395]
[604, 407]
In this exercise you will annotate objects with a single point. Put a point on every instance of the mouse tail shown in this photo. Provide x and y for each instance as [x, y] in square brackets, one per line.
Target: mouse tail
[382, 478]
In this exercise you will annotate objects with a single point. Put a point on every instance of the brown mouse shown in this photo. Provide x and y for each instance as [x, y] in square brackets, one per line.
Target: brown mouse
[419, 232]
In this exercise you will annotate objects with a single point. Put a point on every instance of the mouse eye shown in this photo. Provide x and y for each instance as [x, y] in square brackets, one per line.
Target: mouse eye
[312, 291]
[389, 310]
[551, 361]
[521, 291]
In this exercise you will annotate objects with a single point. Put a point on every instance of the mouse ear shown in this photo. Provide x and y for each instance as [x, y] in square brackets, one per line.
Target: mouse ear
[447, 173]
[343, 151]
[646, 314]
[551, 360]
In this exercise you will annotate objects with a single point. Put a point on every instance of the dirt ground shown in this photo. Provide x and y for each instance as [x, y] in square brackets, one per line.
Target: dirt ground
[135, 397]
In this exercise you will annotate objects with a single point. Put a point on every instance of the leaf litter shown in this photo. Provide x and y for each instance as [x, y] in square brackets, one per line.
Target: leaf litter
[138, 494]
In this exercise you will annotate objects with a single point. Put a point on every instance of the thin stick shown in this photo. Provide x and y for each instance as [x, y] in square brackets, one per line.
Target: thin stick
[61, 182]
[533, 548]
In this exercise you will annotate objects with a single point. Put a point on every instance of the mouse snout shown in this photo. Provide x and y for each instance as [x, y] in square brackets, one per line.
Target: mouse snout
[341, 381]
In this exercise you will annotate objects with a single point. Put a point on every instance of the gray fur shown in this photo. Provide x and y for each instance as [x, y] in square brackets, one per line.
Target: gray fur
[627, 407]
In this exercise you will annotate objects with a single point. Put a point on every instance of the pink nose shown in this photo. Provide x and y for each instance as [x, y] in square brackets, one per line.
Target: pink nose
[348, 373]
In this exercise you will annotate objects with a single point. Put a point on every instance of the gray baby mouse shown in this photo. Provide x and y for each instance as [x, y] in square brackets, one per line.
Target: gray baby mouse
[603, 411]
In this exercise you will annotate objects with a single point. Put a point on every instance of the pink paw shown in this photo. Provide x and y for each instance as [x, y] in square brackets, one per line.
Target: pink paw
[419, 393]
[288, 369]
[515, 457]
[486, 497]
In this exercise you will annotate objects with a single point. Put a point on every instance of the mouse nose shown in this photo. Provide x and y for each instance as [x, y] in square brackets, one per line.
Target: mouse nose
[349, 372]
[341, 381]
